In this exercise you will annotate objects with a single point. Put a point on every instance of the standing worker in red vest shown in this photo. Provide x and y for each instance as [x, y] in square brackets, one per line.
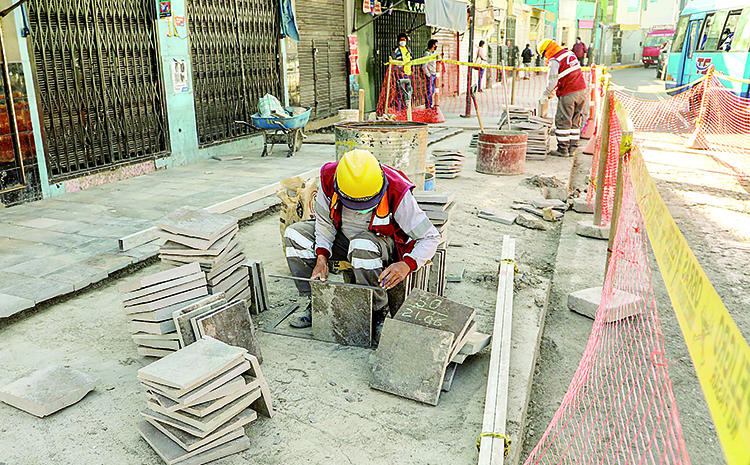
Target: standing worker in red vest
[566, 76]
[366, 214]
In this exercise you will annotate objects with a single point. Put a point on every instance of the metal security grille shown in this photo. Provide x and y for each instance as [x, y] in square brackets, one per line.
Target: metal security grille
[235, 52]
[99, 83]
[324, 75]
[387, 29]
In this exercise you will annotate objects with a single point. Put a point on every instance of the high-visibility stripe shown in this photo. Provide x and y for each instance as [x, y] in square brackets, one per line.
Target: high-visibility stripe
[568, 71]
[378, 221]
[291, 252]
[575, 131]
[563, 138]
[367, 263]
[363, 244]
[298, 238]
[562, 132]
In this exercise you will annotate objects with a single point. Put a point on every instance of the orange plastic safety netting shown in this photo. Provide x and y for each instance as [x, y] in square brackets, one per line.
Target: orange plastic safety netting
[620, 407]
[607, 184]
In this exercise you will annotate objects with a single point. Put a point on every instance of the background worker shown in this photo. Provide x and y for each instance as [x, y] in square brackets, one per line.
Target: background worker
[402, 52]
[580, 50]
[482, 60]
[430, 71]
[366, 214]
[526, 57]
[566, 78]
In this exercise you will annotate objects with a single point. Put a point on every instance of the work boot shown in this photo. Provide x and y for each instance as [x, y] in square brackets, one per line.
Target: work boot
[302, 319]
[560, 153]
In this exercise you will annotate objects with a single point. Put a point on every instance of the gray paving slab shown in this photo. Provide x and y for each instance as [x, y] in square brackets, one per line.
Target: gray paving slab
[78, 275]
[39, 289]
[10, 305]
[232, 325]
[341, 314]
[40, 223]
[10, 259]
[46, 391]
[109, 261]
[38, 267]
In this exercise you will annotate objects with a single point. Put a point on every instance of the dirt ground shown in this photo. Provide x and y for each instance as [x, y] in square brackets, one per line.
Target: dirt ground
[326, 411]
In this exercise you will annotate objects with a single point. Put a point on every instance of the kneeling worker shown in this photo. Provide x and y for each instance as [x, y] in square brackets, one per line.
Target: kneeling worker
[566, 76]
[366, 214]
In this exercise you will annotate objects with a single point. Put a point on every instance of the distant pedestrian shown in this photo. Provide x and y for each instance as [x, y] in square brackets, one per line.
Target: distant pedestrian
[402, 52]
[526, 57]
[482, 60]
[430, 71]
[580, 50]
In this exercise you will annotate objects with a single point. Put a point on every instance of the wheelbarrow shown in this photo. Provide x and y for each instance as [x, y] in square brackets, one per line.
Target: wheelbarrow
[279, 130]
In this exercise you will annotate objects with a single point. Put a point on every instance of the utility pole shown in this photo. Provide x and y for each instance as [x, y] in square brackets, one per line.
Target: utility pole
[472, 16]
[595, 28]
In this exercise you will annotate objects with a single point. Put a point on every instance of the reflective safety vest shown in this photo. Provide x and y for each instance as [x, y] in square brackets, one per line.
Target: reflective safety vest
[570, 76]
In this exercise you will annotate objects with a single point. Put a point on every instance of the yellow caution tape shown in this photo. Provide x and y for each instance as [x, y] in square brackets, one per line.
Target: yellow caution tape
[496, 436]
[720, 354]
[730, 78]
[415, 62]
[512, 262]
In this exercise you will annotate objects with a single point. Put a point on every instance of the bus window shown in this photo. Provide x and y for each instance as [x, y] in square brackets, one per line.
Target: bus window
[695, 26]
[711, 31]
[725, 41]
[741, 41]
[679, 37]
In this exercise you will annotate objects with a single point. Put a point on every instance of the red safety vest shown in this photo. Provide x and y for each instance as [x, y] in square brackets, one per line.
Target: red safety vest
[382, 221]
[570, 76]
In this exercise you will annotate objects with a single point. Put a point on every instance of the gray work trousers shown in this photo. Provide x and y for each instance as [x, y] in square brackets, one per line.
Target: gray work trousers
[568, 119]
[368, 253]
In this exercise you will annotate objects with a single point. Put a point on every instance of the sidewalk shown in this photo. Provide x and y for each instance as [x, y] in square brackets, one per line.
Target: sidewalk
[63, 244]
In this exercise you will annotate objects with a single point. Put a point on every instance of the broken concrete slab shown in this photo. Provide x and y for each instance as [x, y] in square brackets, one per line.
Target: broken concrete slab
[560, 193]
[580, 205]
[531, 223]
[193, 365]
[48, 390]
[622, 305]
[197, 222]
[587, 228]
[549, 203]
[456, 273]
[232, 325]
[191, 443]
[171, 452]
[503, 217]
[341, 314]
[411, 360]
[10, 305]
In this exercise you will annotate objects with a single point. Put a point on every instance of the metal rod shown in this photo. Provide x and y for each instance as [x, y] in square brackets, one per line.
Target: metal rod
[507, 96]
[5, 12]
[294, 278]
[471, 59]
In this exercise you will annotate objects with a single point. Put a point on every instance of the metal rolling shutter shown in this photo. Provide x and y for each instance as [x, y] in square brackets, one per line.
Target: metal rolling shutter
[324, 74]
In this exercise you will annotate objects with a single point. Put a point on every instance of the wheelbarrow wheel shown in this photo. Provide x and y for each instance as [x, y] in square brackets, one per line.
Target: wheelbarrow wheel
[295, 142]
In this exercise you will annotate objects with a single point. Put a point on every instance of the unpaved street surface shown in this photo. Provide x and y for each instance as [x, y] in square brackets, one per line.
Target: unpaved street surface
[327, 414]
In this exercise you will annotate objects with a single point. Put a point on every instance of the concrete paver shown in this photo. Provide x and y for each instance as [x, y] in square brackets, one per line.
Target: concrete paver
[62, 244]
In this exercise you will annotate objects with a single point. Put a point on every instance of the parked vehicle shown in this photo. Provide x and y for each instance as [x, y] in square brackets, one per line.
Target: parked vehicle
[711, 33]
[654, 42]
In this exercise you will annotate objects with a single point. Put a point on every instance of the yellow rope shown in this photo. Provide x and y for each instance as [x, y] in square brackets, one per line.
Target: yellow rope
[508, 260]
[496, 436]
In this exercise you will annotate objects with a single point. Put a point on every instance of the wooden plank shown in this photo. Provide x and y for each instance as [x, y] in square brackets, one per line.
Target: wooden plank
[491, 450]
[148, 235]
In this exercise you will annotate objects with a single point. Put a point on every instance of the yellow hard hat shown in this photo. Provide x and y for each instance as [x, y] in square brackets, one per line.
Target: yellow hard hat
[541, 47]
[360, 181]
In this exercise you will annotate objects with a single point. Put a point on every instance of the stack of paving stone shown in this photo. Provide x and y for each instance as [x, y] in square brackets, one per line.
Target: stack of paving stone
[195, 235]
[258, 301]
[538, 142]
[517, 115]
[439, 208]
[448, 163]
[200, 399]
[418, 344]
[151, 301]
